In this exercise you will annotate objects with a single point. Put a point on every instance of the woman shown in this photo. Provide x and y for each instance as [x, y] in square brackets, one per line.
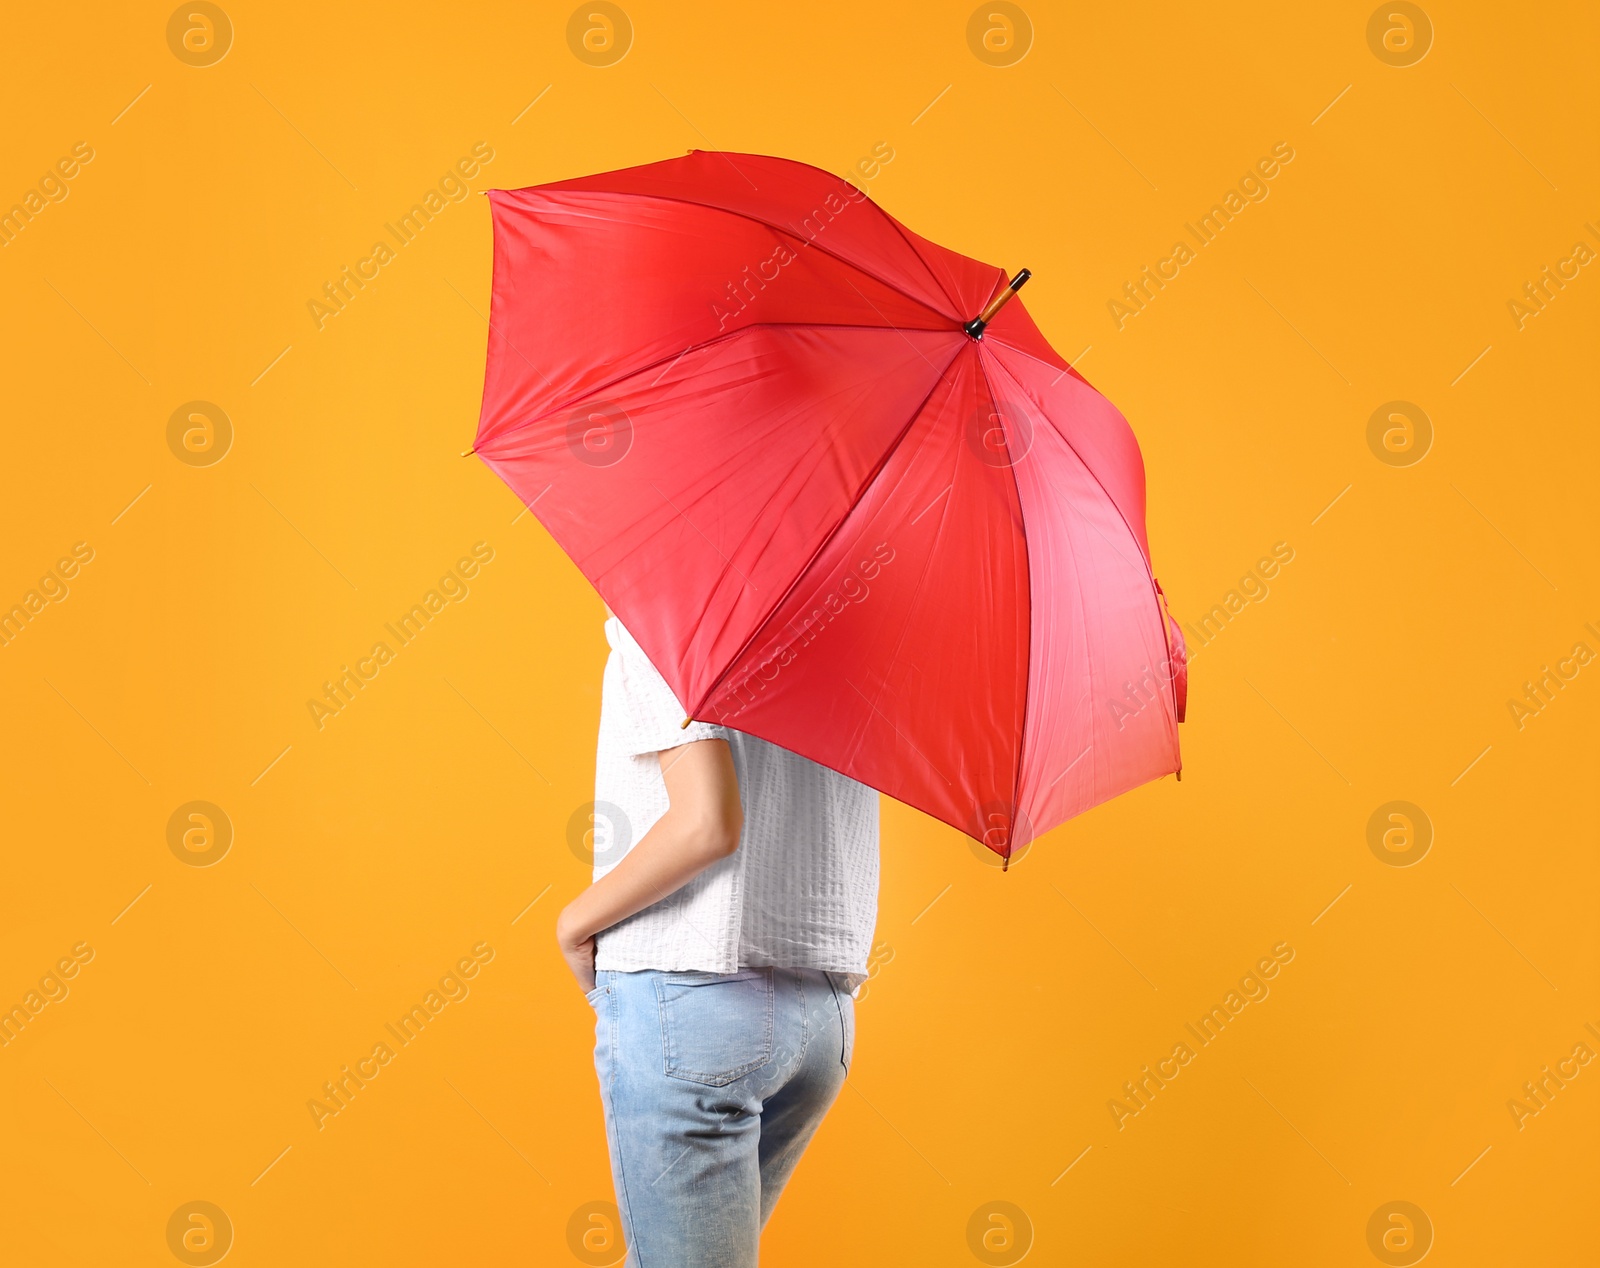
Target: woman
[721, 944]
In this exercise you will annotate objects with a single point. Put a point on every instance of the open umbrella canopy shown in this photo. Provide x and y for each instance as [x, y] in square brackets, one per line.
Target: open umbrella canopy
[835, 511]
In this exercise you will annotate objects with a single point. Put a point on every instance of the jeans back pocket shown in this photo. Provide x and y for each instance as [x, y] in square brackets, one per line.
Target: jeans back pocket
[715, 1027]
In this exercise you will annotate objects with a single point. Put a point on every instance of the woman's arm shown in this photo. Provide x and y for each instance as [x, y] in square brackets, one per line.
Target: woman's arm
[701, 825]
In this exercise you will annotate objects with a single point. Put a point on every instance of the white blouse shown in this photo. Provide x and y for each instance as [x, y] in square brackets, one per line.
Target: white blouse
[801, 891]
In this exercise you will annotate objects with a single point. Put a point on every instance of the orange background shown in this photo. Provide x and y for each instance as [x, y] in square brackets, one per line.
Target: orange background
[1005, 1011]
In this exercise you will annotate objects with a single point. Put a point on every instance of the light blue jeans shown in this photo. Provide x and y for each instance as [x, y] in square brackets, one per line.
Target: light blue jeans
[713, 1084]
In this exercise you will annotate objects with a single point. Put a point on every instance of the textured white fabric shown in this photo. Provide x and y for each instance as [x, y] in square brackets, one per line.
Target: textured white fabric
[800, 892]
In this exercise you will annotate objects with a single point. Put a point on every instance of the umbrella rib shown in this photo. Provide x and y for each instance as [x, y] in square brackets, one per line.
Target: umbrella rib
[1094, 475]
[1077, 585]
[916, 595]
[1027, 663]
[703, 615]
[910, 606]
[899, 330]
[897, 226]
[612, 382]
[1023, 352]
[697, 347]
[1149, 572]
[804, 242]
[901, 230]
[833, 532]
[917, 255]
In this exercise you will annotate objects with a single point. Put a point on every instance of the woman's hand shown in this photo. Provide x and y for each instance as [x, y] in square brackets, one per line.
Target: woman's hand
[577, 948]
[701, 827]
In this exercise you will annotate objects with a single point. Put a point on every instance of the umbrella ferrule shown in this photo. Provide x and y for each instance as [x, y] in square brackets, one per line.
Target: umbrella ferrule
[976, 325]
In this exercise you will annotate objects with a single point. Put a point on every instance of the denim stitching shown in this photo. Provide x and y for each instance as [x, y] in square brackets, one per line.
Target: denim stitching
[805, 1019]
[846, 1029]
[720, 1078]
[612, 1011]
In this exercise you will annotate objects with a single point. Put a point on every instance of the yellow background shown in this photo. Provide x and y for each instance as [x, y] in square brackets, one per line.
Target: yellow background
[370, 855]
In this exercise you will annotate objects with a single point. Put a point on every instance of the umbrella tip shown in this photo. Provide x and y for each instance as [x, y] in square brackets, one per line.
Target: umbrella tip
[467, 453]
[684, 725]
[976, 325]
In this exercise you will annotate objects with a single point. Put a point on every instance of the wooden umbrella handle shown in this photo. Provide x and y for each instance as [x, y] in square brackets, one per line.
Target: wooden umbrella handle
[976, 325]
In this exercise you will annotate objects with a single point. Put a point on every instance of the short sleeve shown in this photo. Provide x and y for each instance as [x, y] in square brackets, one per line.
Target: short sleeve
[651, 718]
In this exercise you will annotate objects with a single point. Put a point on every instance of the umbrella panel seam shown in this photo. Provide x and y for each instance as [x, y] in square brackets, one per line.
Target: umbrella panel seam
[833, 532]
[804, 242]
[575, 401]
[1027, 664]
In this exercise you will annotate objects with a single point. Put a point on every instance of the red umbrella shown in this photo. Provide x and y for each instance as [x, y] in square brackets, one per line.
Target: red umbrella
[842, 498]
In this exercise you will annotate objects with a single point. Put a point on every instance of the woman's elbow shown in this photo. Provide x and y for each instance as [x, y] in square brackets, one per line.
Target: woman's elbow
[716, 836]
